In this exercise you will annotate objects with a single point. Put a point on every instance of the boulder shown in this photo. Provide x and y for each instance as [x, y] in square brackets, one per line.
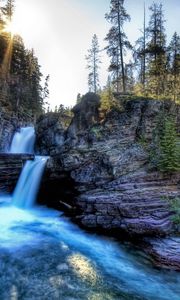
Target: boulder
[86, 114]
[50, 133]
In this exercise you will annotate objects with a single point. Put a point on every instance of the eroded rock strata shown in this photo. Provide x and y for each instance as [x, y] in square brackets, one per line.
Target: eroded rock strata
[164, 252]
[107, 163]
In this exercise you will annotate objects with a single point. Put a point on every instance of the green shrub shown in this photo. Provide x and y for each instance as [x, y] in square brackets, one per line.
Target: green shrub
[175, 208]
[96, 132]
[143, 141]
[169, 159]
[164, 151]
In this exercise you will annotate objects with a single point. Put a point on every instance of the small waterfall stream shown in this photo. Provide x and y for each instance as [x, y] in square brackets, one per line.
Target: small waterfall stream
[44, 256]
[23, 141]
[27, 186]
[28, 183]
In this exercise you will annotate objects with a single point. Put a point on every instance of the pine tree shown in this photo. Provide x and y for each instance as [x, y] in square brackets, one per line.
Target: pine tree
[156, 49]
[129, 76]
[140, 54]
[8, 10]
[17, 72]
[2, 22]
[45, 91]
[169, 153]
[36, 100]
[20, 76]
[79, 98]
[174, 67]
[118, 42]
[106, 96]
[93, 59]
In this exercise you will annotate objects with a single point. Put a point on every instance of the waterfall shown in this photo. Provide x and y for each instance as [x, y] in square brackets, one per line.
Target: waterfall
[27, 186]
[28, 183]
[23, 141]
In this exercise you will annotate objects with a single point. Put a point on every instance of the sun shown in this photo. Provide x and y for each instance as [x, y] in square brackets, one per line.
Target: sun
[11, 27]
[28, 20]
[22, 21]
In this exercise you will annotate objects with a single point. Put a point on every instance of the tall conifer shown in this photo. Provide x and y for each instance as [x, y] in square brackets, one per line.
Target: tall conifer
[118, 42]
[93, 60]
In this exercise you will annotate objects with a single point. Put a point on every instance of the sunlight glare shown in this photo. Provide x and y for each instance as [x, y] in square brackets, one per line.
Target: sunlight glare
[28, 20]
[83, 267]
[11, 28]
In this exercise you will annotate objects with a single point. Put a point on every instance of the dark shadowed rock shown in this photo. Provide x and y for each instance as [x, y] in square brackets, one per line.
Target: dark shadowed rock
[8, 126]
[10, 169]
[50, 133]
[86, 114]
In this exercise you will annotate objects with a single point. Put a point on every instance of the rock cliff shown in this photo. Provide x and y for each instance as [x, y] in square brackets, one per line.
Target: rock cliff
[8, 125]
[106, 166]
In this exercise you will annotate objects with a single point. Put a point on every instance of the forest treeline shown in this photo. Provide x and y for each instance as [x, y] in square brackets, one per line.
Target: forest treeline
[21, 89]
[153, 71]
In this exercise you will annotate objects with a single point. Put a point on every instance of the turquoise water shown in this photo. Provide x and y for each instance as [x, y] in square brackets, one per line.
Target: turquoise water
[44, 256]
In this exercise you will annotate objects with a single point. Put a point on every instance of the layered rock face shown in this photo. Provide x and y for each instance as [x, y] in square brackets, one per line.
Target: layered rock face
[109, 168]
[8, 126]
[164, 252]
[108, 165]
[104, 169]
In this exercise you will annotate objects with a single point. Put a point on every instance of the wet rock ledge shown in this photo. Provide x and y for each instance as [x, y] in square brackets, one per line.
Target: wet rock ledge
[10, 169]
[101, 172]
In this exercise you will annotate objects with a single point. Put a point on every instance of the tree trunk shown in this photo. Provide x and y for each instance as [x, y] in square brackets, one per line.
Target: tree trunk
[144, 51]
[121, 52]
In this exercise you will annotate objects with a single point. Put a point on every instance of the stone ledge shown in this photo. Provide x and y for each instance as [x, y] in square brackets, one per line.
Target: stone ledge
[15, 156]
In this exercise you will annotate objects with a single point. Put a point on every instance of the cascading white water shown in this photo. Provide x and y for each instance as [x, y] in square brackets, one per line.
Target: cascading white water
[27, 187]
[23, 141]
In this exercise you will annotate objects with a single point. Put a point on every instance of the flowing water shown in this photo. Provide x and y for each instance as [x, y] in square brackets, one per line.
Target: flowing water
[23, 141]
[44, 256]
[28, 184]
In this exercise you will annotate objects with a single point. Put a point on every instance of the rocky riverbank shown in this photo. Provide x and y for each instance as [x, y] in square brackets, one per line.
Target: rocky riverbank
[105, 166]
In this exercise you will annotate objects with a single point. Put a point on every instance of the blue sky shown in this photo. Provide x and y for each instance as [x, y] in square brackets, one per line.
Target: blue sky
[60, 31]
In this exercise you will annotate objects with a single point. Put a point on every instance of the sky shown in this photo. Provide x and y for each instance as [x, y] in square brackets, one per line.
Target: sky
[60, 31]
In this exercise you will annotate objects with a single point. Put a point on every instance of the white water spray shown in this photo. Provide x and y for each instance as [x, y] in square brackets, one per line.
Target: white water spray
[23, 141]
